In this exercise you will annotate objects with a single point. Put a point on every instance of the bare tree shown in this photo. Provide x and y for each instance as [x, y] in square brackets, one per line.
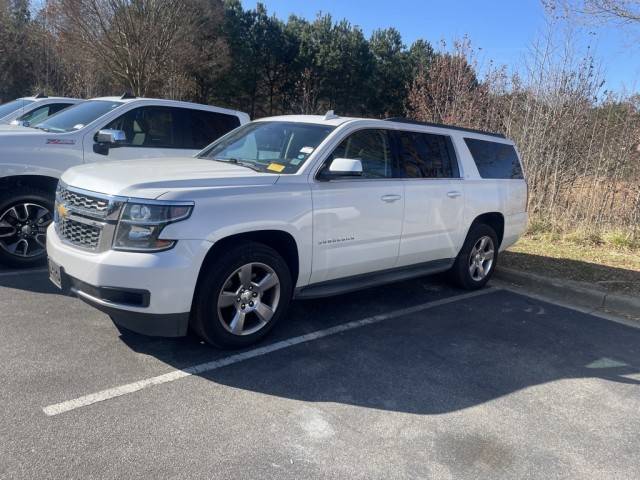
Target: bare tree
[618, 11]
[138, 41]
[579, 143]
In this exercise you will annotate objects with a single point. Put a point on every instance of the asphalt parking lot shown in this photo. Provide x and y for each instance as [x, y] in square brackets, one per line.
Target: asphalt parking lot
[412, 380]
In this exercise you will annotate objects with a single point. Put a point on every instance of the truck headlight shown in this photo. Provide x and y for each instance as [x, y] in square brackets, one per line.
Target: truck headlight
[141, 224]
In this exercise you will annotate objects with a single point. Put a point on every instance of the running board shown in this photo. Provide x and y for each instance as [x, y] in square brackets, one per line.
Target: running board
[359, 282]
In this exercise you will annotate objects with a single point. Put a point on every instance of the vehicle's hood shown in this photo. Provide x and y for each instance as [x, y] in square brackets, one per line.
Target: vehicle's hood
[6, 127]
[154, 177]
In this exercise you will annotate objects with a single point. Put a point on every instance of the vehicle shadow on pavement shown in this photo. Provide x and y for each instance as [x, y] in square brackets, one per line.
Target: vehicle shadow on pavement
[443, 359]
[35, 282]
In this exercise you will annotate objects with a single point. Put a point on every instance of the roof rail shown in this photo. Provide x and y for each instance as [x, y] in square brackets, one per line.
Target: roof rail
[40, 95]
[442, 125]
[127, 95]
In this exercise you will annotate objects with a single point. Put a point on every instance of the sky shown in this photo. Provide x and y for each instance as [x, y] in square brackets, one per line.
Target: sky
[503, 29]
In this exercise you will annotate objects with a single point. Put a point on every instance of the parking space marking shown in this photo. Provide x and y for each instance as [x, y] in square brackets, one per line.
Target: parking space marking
[21, 272]
[174, 375]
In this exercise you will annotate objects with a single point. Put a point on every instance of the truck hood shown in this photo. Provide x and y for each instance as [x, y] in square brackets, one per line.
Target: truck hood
[152, 178]
[6, 127]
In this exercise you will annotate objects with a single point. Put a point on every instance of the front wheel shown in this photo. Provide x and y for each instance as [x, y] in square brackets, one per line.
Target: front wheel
[477, 259]
[241, 296]
[24, 218]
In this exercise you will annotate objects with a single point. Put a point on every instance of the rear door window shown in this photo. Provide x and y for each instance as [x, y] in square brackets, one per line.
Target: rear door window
[202, 127]
[426, 155]
[42, 113]
[495, 160]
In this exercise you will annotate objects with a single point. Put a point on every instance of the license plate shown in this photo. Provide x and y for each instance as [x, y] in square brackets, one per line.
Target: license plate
[54, 274]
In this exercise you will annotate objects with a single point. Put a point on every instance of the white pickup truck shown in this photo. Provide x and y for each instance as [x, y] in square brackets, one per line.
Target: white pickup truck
[108, 128]
[283, 207]
[32, 110]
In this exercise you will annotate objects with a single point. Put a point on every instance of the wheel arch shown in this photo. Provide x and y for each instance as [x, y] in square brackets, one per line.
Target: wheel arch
[494, 220]
[41, 182]
[281, 241]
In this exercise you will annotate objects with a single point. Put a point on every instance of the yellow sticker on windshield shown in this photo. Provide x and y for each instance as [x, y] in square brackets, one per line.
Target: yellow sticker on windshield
[276, 167]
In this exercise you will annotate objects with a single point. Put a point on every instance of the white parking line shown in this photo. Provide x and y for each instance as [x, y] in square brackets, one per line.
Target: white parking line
[174, 375]
[22, 272]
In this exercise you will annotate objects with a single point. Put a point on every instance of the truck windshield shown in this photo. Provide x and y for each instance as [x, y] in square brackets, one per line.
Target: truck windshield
[275, 147]
[77, 116]
[12, 106]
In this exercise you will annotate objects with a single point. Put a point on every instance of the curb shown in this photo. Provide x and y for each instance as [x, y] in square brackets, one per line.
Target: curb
[571, 291]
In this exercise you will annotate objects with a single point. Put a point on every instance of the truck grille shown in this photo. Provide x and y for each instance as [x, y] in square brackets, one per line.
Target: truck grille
[85, 219]
[84, 203]
[79, 234]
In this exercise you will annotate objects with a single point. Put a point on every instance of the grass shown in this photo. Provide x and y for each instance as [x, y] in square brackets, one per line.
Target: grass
[610, 261]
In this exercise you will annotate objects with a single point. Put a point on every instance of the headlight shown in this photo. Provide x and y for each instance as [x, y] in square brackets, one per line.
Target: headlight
[142, 223]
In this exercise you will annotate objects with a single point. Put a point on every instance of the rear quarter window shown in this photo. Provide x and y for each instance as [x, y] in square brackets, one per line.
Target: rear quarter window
[495, 160]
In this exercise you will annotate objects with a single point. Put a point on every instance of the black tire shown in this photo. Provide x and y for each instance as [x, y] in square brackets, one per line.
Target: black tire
[208, 320]
[460, 273]
[34, 254]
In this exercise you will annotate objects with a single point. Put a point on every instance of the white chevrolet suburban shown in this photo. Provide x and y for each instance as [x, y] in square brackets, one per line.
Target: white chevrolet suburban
[283, 207]
[109, 128]
[32, 110]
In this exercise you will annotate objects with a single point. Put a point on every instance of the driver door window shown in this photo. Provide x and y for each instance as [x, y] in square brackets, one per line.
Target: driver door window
[372, 148]
[151, 127]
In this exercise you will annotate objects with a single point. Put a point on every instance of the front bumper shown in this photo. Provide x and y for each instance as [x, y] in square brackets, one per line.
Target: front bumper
[149, 293]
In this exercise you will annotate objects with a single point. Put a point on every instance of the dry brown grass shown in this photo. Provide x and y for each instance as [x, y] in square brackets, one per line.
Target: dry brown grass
[601, 261]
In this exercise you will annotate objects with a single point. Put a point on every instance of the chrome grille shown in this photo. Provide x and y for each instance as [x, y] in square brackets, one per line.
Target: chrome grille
[79, 234]
[86, 219]
[84, 203]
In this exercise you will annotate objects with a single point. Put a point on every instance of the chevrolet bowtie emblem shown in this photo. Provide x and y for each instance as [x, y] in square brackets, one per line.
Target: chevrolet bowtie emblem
[62, 210]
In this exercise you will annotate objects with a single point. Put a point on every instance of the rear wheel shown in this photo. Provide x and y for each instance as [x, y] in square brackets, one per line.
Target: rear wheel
[477, 259]
[241, 296]
[24, 218]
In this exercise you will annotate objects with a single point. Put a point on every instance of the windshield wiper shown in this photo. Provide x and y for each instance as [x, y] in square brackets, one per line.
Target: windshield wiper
[40, 128]
[235, 161]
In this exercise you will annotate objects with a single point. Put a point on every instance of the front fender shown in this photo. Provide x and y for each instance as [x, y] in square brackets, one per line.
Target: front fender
[238, 210]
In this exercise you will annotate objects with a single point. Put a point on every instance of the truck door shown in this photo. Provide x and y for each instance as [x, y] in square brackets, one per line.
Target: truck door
[357, 221]
[151, 132]
[434, 198]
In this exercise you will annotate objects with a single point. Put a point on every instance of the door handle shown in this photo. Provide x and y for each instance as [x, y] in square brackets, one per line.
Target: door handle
[390, 198]
[454, 194]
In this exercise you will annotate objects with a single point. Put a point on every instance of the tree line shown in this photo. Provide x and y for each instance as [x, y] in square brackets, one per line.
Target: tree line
[578, 140]
[206, 51]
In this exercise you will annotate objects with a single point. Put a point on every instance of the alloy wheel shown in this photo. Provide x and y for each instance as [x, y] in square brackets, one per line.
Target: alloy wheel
[23, 229]
[249, 299]
[481, 258]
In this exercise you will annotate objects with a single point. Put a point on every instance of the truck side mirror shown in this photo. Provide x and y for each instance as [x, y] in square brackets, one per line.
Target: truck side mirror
[111, 137]
[345, 167]
[108, 138]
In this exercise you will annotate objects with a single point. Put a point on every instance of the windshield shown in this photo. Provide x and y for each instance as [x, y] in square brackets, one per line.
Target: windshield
[10, 107]
[277, 147]
[76, 117]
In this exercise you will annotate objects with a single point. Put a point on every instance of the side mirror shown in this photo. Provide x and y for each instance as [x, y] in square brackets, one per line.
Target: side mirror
[345, 167]
[111, 137]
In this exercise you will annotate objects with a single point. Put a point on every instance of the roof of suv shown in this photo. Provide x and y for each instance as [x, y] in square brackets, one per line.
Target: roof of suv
[334, 120]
